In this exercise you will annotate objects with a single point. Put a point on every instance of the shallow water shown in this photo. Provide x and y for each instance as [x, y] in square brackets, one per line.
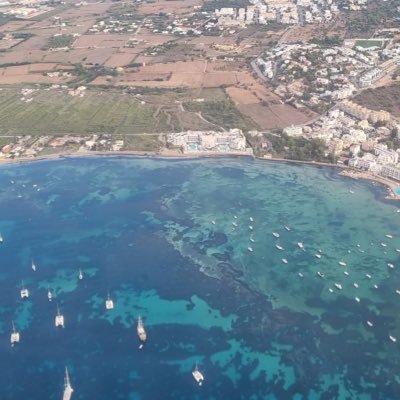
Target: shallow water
[169, 240]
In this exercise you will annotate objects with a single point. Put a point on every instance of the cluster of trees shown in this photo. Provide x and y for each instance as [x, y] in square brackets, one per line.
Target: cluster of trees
[59, 41]
[298, 148]
[328, 41]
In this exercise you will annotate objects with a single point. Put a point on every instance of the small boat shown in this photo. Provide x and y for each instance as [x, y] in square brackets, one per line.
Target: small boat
[320, 274]
[109, 303]
[390, 265]
[287, 228]
[251, 227]
[67, 386]
[1, 238]
[397, 291]
[33, 266]
[351, 191]
[49, 295]
[234, 224]
[331, 290]
[355, 285]
[398, 250]
[15, 337]
[318, 255]
[300, 275]
[357, 299]
[346, 273]
[80, 276]
[376, 286]
[368, 276]
[383, 244]
[369, 323]
[389, 236]
[279, 247]
[392, 338]
[213, 222]
[141, 332]
[24, 292]
[250, 249]
[342, 263]
[197, 375]
[338, 286]
[235, 216]
[284, 260]
[251, 240]
[301, 245]
[251, 219]
[276, 234]
[59, 320]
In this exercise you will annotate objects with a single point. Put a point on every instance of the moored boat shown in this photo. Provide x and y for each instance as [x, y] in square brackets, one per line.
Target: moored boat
[342, 263]
[276, 234]
[250, 249]
[141, 331]
[80, 275]
[49, 295]
[338, 286]
[59, 320]
[67, 386]
[33, 266]
[24, 292]
[197, 375]
[109, 303]
[301, 245]
[284, 260]
[392, 338]
[15, 337]
[279, 247]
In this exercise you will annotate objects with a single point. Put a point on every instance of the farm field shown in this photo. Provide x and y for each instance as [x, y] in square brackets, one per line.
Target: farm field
[55, 112]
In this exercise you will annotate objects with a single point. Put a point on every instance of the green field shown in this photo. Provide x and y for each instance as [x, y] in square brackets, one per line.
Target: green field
[368, 43]
[57, 113]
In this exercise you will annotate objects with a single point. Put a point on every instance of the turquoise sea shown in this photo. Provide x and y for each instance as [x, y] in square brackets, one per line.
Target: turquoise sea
[189, 246]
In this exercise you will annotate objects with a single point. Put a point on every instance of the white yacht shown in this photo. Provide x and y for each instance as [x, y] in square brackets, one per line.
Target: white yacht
[346, 273]
[389, 236]
[357, 299]
[331, 290]
[198, 376]
[320, 274]
[397, 291]
[251, 227]
[383, 244]
[342, 263]
[279, 247]
[251, 239]
[318, 255]
[375, 286]
[398, 250]
[141, 332]
[213, 222]
[234, 224]
[392, 338]
[109, 303]
[390, 265]
[300, 275]
[368, 276]
[369, 323]
[338, 286]
[250, 249]
[14, 335]
[67, 386]
[24, 292]
[80, 276]
[49, 295]
[276, 234]
[59, 321]
[301, 245]
[355, 285]
[251, 219]
[284, 260]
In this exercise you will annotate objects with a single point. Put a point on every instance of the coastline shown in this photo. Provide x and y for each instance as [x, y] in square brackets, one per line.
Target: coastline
[175, 154]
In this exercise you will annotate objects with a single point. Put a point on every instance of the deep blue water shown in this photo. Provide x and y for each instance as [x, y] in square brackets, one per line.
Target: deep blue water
[169, 239]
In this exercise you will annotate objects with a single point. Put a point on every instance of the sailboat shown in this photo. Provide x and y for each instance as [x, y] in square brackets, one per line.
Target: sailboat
[80, 276]
[14, 335]
[33, 266]
[109, 303]
[67, 386]
[59, 321]
[197, 375]
[49, 294]
[24, 292]
[141, 332]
